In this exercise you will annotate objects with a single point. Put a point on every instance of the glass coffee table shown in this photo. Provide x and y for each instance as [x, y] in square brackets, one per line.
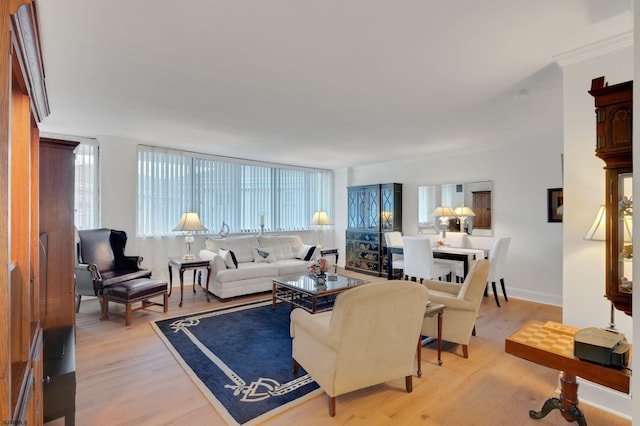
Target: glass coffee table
[303, 291]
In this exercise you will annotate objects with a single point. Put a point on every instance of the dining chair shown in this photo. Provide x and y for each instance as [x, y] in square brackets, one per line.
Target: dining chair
[456, 239]
[419, 263]
[498, 258]
[394, 239]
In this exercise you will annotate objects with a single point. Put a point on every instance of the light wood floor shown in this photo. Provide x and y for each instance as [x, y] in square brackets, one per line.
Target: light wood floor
[126, 376]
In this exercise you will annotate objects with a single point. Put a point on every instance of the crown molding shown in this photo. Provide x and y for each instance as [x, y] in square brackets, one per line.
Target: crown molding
[594, 50]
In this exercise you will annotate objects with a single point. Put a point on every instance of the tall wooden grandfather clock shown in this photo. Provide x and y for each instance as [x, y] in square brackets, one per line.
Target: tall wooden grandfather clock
[614, 107]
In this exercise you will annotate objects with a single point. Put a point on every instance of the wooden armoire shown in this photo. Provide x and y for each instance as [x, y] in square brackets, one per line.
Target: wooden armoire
[24, 307]
[372, 211]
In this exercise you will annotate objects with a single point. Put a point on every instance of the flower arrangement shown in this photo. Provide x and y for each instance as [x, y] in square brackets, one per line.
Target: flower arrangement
[318, 266]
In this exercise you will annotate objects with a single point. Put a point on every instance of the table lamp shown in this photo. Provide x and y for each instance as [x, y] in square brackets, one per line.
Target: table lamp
[463, 212]
[189, 222]
[320, 219]
[444, 213]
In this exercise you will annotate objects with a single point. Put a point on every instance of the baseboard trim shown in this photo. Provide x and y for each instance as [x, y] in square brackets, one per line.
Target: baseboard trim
[605, 399]
[534, 296]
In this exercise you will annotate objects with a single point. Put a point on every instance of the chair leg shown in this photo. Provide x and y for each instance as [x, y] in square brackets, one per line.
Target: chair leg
[465, 351]
[495, 293]
[296, 367]
[504, 292]
[166, 302]
[332, 406]
[127, 312]
[104, 309]
[486, 290]
[78, 299]
[473, 332]
[408, 381]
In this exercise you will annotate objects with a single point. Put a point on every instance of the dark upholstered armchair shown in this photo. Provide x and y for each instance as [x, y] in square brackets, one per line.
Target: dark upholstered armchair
[100, 262]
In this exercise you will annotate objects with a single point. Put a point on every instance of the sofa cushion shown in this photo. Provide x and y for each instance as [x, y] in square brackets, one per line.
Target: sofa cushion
[242, 246]
[284, 246]
[217, 262]
[291, 267]
[229, 258]
[263, 254]
[248, 270]
[306, 252]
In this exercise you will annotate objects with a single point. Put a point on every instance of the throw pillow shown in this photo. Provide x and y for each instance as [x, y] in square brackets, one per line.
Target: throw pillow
[263, 254]
[306, 252]
[229, 258]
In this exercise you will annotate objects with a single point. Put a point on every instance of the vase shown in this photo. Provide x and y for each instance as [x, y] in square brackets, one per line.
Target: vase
[320, 278]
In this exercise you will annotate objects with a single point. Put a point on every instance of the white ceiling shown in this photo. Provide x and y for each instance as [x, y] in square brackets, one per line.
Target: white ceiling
[324, 83]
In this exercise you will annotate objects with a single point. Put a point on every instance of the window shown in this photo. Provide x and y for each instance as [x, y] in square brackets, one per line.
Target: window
[228, 190]
[87, 185]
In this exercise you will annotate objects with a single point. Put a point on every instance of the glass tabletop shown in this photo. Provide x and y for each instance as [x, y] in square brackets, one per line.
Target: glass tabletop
[308, 283]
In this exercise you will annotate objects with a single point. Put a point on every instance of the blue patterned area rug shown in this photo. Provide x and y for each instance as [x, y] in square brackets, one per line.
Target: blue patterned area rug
[240, 358]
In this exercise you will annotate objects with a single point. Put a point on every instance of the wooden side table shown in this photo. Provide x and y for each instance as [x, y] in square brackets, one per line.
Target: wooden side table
[431, 310]
[182, 265]
[551, 344]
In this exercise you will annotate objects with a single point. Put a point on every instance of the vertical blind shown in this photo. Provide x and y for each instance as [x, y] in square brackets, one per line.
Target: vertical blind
[220, 189]
[87, 186]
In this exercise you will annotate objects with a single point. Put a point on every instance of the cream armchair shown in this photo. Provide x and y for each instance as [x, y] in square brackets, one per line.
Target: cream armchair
[370, 337]
[462, 304]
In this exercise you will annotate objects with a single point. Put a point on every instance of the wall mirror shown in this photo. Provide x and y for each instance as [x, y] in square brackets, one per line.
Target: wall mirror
[475, 195]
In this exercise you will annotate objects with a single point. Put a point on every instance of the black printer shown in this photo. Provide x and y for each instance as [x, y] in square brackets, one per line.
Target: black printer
[606, 347]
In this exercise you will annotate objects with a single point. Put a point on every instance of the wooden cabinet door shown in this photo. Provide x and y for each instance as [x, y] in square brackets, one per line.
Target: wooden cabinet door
[482, 208]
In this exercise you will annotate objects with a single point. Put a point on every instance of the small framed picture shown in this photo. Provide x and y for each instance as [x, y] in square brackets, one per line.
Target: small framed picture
[555, 204]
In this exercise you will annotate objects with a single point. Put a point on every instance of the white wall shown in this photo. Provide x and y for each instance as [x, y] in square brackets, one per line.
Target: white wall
[584, 261]
[118, 165]
[521, 174]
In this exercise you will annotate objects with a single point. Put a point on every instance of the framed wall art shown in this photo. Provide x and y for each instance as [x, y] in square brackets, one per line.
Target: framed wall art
[555, 204]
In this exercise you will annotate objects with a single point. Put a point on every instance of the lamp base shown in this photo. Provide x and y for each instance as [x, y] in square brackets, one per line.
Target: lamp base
[188, 257]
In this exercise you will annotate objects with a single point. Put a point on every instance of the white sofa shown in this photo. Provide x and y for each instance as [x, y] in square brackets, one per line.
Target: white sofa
[252, 271]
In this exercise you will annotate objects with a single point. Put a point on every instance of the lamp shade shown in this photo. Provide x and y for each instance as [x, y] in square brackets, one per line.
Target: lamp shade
[443, 211]
[464, 211]
[598, 231]
[190, 222]
[320, 218]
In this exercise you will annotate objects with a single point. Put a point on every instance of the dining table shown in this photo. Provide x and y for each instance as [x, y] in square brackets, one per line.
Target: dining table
[459, 254]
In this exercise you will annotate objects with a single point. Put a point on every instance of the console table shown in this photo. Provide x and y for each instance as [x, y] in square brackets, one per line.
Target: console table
[551, 344]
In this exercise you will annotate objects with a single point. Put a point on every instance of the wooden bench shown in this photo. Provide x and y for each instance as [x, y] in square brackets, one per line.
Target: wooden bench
[132, 291]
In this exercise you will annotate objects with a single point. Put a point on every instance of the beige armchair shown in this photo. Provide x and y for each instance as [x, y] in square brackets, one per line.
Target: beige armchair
[462, 304]
[370, 337]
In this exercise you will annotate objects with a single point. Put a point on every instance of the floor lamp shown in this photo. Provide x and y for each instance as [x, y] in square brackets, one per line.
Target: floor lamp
[320, 219]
